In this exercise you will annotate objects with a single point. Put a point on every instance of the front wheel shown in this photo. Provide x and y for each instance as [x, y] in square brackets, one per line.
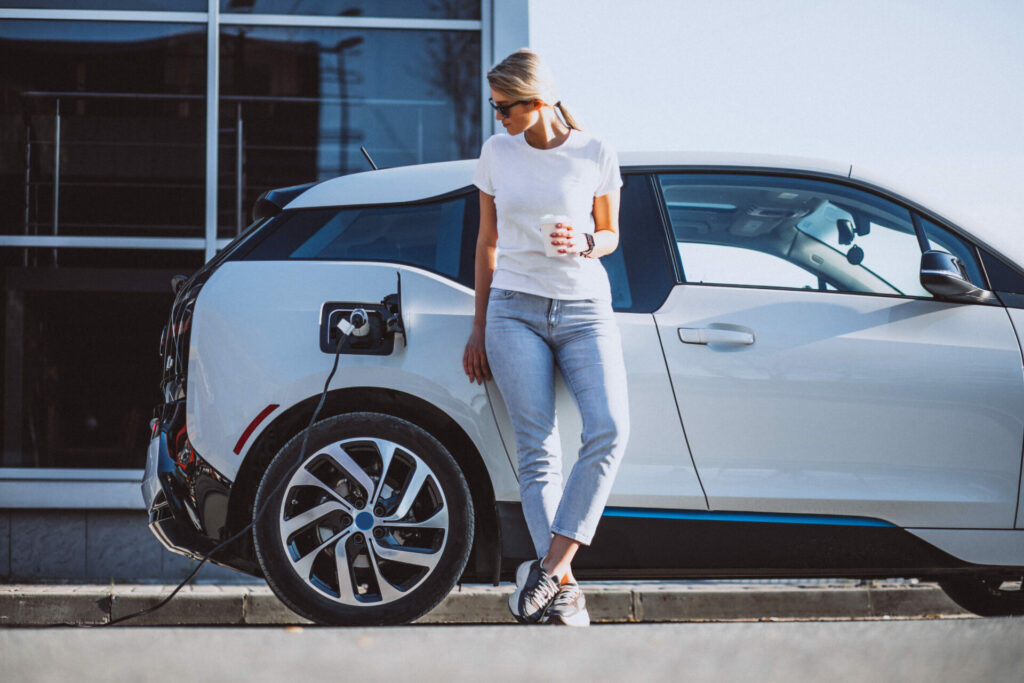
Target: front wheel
[373, 526]
[987, 596]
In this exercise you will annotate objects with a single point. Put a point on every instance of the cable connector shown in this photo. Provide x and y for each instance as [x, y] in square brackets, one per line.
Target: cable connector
[357, 325]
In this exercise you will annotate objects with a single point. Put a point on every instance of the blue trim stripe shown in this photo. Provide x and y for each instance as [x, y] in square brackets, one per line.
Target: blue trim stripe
[755, 517]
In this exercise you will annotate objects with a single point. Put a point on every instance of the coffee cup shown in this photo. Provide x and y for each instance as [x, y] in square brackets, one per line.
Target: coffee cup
[548, 225]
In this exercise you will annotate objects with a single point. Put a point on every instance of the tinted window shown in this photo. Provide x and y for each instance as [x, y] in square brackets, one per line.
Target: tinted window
[940, 239]
[1003, 277]
[640, 270]
[437, 236]
[789, 232]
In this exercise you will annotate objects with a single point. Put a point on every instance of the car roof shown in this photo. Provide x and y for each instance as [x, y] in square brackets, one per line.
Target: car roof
[423, 181]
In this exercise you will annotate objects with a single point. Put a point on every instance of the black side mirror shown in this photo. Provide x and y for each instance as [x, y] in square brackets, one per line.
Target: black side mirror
[944, 276]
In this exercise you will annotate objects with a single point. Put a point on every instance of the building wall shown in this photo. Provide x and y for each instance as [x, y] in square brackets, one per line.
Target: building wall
[133, 143]
[92, 546]
[925, 92]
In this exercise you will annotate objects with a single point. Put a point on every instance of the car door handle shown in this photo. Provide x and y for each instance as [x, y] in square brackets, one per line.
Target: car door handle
[714, 335]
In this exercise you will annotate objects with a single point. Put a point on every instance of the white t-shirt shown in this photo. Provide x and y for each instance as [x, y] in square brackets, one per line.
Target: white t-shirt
[528, 184]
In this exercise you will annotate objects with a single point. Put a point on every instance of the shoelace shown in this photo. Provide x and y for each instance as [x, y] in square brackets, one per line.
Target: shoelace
[542, 593]
[566, 595]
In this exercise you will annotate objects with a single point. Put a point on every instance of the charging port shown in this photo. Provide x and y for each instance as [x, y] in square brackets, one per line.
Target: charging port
[371, 337]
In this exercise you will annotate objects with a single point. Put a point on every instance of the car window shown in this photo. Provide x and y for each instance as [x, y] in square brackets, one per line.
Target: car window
[807, 234]
[708, 263]
[940, 239]
[640, 270]
[432, 235]
[1003, 277]
[441, 236]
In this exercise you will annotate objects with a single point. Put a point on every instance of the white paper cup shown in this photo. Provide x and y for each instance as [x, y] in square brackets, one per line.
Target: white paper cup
[547, 226]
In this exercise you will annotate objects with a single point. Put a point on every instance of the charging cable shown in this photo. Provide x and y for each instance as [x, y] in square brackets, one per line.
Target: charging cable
[358, 321]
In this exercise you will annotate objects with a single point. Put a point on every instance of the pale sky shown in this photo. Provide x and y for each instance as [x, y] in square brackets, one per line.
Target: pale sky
[926, 93]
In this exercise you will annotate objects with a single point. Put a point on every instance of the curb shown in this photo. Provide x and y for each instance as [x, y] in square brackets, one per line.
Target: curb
[619, 602]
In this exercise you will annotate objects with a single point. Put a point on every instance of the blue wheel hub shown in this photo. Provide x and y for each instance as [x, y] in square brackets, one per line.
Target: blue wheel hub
[364, 520]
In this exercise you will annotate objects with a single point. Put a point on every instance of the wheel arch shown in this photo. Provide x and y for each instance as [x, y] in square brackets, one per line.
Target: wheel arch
[484, 559]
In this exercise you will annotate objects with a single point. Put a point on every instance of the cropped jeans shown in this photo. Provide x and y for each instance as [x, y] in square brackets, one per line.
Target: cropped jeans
[526, 336]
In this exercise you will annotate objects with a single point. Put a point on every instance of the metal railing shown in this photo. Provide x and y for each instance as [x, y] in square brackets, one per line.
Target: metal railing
[57, 226]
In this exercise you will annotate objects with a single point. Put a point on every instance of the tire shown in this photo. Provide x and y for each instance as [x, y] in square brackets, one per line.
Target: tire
[987, 596]
[373, 528]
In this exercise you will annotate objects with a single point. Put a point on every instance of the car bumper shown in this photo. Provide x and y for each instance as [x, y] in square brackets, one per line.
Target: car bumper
[185, 497]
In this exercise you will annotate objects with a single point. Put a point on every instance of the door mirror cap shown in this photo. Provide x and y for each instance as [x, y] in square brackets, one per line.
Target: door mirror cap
[944, 276]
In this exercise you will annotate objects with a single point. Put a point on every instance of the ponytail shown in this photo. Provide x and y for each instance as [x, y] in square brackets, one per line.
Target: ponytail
[566, 116]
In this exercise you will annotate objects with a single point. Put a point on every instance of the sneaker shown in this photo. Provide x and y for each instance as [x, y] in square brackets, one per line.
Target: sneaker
[534, 593]
[569, 607]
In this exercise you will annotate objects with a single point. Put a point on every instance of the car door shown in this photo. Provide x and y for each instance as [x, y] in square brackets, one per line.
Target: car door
[657, 470]
[813, 372]
[1008, 283]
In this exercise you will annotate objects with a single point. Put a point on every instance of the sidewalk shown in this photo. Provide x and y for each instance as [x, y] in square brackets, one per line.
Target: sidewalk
[38, 605]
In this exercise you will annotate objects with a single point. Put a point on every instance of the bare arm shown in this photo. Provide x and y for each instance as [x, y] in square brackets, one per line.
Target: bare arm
[606, 224]
[474, 359]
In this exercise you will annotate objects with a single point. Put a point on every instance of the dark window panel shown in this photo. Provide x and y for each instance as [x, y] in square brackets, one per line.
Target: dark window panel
[1004, 278]
[414, 9]
[129, 103]
[142, 5]
[431, 235]
[303, 100]
[640, 270]
[83, 338]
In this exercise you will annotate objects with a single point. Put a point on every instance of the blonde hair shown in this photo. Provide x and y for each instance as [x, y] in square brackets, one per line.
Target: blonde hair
[523, 75]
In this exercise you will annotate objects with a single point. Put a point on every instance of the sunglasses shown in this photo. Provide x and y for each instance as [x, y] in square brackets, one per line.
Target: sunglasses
[503, 109]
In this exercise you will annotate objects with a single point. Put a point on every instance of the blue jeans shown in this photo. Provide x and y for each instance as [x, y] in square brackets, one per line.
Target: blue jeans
[526, 335]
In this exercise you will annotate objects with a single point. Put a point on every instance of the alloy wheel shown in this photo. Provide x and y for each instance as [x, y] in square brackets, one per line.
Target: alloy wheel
[363, 521]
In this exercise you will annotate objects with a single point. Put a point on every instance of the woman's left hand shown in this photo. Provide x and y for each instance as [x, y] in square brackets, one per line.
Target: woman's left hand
[567, 240]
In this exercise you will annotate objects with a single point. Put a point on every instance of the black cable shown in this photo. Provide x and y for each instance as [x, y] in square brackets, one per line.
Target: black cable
[259, 511]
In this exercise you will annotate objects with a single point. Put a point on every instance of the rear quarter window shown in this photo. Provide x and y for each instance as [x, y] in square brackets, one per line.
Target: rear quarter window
[438, 236]
[1003, 277]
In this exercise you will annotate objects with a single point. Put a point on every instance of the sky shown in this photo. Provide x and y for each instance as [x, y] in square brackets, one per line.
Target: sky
[927, 95]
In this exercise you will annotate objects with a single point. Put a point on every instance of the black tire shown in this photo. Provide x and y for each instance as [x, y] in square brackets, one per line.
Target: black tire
[985, 597]
[396, 571]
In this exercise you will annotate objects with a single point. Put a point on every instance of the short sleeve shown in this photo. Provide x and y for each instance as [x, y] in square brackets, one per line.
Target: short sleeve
[608, 176]
[482, 176]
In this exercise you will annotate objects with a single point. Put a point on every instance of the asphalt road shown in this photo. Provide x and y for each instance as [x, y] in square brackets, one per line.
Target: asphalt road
[906, 651]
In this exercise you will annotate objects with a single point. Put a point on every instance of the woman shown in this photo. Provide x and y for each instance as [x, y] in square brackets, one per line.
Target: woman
[534, 311]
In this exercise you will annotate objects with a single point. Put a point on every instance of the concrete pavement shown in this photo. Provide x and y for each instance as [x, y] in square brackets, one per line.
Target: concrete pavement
[612, 602]
[876, 651]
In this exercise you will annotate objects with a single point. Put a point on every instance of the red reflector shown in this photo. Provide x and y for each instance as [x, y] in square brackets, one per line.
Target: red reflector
[253, 425]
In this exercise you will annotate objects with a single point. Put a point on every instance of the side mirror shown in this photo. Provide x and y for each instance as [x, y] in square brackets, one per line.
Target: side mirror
[944, 276]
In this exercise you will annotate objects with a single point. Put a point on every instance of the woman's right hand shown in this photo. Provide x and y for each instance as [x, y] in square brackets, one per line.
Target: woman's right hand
[474, 359]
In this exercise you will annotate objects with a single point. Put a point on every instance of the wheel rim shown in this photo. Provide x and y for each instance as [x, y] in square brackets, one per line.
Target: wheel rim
[363, 521]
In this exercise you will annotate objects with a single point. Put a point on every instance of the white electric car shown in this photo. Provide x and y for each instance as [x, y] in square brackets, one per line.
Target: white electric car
[825, 380]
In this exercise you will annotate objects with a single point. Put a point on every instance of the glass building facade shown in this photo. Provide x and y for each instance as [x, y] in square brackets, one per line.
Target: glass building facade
[135, 136]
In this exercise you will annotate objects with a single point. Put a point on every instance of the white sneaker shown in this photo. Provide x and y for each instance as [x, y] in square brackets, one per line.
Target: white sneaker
[569, 608]
[534, 593]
